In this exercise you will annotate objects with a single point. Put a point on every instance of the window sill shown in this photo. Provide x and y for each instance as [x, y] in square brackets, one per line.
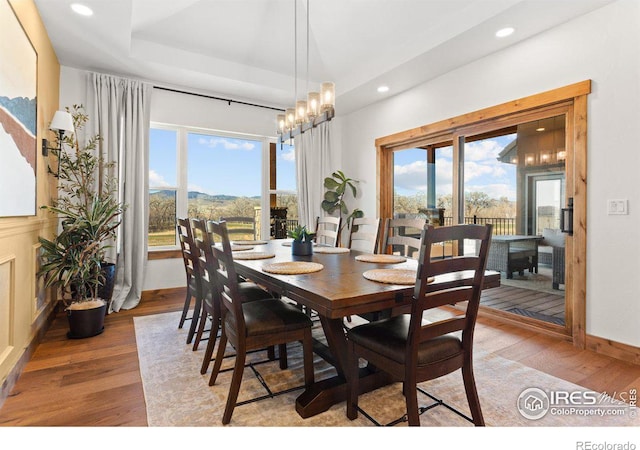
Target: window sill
[163, 254]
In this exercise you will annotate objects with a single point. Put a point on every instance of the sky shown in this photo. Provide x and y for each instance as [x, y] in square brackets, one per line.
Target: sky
[482, 170]
[217, 165]
[229, 166]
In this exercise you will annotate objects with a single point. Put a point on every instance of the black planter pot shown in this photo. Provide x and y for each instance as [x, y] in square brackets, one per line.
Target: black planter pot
[105, 292]
[301, 248]
[84, 323]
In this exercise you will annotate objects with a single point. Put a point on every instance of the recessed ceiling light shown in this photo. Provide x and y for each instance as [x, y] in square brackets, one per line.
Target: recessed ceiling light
[383, 88]
[540, 129]
[81, 9]
[504, 32]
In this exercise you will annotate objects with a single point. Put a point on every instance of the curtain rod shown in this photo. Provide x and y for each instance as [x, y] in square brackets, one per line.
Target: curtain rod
[228, 100]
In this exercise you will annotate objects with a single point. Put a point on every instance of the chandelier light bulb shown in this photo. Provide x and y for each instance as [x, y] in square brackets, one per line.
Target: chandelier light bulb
[313, 104]
[328, 94]
[301, 112]
[282, 123]
[291, 118]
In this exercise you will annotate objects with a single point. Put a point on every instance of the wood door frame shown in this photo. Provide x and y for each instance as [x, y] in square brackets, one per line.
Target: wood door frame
[570, 101]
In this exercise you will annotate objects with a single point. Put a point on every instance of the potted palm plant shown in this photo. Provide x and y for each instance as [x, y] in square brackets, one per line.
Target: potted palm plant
[337, 185]
[302, 244]
[89, 213]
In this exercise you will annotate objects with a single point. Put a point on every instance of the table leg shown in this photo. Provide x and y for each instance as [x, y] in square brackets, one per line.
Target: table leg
[323, 394]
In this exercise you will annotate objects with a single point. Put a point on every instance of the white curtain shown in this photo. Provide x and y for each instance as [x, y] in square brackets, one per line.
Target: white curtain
[119, 111]
[313, 164]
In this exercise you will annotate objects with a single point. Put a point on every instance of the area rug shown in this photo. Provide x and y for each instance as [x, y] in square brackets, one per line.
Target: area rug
[541, 281]
[177, 395]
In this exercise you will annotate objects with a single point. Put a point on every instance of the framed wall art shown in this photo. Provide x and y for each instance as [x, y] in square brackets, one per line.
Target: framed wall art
[18, 110]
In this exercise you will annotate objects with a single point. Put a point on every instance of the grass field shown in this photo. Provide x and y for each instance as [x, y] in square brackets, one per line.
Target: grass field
[168, 237]
[162, 238]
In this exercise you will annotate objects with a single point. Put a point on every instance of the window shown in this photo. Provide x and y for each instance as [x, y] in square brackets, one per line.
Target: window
[283, 198]
[163, 186]
[224, 176]
[422, 183]
[204, 174]
[490, 181]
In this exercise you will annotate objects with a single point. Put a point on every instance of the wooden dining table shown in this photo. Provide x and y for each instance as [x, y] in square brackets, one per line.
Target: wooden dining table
[337, 291]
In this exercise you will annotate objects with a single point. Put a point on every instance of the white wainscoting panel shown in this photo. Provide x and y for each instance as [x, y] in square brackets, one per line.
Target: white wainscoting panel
[7, 305]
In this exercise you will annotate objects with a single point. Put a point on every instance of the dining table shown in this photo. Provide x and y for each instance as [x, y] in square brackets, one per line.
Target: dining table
[336, 291]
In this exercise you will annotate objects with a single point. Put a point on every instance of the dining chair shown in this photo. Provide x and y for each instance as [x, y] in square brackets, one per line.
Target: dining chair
[401, 235]
[364, 234]
[211, 308]
[252, 325]
[328, 230]
[192, 271]
[242, 227]
[412, 350]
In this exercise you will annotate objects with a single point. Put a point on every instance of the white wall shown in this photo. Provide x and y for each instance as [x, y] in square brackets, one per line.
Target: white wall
[603, 46]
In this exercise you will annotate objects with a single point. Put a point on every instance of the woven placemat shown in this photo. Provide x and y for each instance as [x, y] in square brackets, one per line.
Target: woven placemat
[254, 255]
[293, 267]
[249, 242]
[391, 276]
[321, 249]
[241, 248]
[383, 259]
[236, 248]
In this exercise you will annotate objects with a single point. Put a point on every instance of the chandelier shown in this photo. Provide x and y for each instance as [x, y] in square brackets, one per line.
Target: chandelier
[316, 107]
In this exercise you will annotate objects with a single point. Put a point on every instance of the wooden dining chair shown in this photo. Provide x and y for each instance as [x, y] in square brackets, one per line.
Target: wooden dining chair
[402, 236]
[192, 271]
[364, 234]
[413, 351]
[252, 325]
[243, 228]
[328, 230]
[211, 307]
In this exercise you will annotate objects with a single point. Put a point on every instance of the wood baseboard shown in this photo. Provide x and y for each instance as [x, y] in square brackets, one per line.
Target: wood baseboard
[624, 352]
[602, 346]
[155, 293]
[528, 323]
[14, 374]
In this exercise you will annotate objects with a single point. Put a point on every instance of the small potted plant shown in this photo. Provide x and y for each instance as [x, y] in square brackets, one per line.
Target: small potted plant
[89, 213]
[302, 244]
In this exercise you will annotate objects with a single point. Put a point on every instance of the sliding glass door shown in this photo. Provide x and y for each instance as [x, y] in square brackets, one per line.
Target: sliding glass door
[514, 178]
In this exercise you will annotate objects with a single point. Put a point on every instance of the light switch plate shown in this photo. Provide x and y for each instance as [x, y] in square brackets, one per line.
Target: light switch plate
[617, 207]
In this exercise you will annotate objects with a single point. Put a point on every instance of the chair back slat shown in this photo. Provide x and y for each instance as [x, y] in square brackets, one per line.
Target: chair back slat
[442, 328]
[364, 234]
[242, 227]
[328, 230]
[395, 235]
[453, 264]
[208, 263]
[188, 247]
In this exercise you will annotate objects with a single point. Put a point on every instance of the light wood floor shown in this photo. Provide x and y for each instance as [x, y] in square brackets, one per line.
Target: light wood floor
[96, 381]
